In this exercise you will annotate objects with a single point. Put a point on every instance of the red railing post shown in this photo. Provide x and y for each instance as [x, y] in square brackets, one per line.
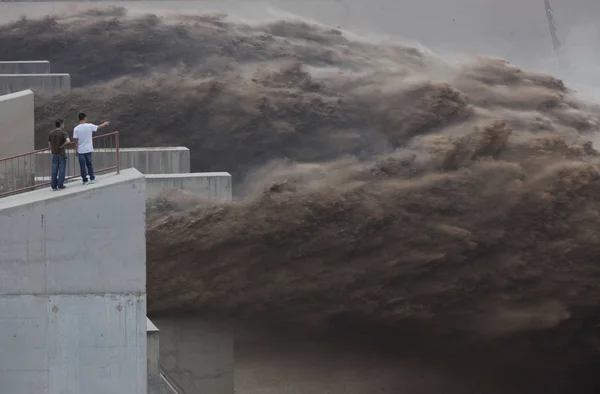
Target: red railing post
[118, 154]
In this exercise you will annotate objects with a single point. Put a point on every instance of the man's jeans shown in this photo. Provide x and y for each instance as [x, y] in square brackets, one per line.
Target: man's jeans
[85, 160]
[59, 165]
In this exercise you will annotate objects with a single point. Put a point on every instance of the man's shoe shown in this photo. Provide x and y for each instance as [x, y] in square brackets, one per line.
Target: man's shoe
[62, 187]
[94, 180]
[54, 189]
[85, 183]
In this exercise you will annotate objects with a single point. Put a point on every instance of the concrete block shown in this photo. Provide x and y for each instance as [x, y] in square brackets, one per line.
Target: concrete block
[197, 355]
[160, 160]
[72, 289]
[213, 185]
[16, 124]
[75, 241]
[39, 83]
[25, 67]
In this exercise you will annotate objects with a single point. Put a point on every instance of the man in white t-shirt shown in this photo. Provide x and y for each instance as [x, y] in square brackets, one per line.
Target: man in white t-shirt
[82, 134]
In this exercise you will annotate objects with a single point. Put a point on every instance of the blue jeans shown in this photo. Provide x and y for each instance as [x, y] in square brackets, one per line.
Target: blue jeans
[85, 160]
[59, 165]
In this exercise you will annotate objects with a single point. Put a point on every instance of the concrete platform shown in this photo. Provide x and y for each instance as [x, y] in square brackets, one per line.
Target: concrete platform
[73, 289]
[154, 160]
[39, 83]
[213, 185]
[25, 67]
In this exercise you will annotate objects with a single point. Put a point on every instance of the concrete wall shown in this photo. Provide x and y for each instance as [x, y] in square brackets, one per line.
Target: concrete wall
[72, 289]
[213, 185]
[25, 67]
[157, 383]
[196, 355]
[162, 160]
[153, 342]
[17, 132]
[16, 124]
[18, 179]
[40, 83]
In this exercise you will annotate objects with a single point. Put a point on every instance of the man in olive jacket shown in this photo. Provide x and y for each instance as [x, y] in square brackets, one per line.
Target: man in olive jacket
[57, 140]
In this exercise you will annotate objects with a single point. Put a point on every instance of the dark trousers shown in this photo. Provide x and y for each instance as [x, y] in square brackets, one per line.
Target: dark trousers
[85, 160]
[59, 165]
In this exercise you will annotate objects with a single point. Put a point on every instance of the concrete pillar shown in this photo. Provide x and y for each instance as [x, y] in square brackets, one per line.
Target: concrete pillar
[17, 130]
[17, 123]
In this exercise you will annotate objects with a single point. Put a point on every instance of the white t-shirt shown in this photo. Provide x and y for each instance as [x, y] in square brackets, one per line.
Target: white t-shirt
[83, 132]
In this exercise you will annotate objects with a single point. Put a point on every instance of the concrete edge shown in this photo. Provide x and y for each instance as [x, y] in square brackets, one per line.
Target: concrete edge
[150, 327]
[122, 150]
[23, 61]
[126, 176]
[187, 175]
[21, 93]
[37, 75]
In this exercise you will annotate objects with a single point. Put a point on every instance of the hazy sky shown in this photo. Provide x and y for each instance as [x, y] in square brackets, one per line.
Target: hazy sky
[516, 29]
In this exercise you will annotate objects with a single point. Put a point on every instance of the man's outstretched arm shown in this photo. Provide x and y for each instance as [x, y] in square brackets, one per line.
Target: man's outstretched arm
[101, 125]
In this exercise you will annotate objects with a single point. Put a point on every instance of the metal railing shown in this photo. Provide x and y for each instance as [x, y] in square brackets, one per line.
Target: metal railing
[32, 170]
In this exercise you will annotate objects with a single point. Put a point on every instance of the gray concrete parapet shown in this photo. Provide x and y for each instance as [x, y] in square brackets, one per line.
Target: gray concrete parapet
[39, 83]
[25, 67]
[212, 185]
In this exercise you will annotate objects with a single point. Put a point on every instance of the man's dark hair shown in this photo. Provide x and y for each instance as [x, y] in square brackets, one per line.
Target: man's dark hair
[81, 116]
[58, 123]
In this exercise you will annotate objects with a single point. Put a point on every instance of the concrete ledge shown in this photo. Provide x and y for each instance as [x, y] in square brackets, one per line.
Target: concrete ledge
[25, 67]
[213, 185]
[40, 83]
[158, 160]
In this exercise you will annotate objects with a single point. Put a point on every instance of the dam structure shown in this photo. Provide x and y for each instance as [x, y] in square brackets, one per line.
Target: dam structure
[73, 273]
[35, 75]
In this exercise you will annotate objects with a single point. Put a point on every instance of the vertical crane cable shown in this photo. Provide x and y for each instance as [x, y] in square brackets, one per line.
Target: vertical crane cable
[551, 24]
